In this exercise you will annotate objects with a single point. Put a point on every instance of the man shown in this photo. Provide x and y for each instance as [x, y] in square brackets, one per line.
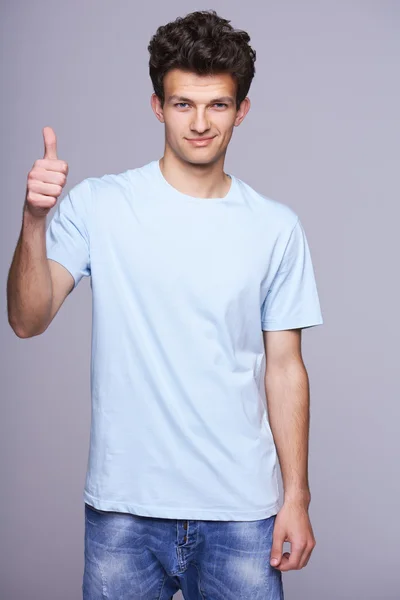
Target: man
[196, 279]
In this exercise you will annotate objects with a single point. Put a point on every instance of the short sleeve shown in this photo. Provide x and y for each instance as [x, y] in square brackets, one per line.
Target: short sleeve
[292, 301]
[67, 235]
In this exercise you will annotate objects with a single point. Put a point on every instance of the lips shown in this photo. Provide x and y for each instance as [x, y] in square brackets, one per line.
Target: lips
[200, 141]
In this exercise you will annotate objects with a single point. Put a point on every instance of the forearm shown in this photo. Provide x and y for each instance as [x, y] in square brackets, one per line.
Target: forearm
[29, 286]
[287, 391]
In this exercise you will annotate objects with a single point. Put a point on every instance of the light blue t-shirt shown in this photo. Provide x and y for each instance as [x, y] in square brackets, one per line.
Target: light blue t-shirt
[182, 289]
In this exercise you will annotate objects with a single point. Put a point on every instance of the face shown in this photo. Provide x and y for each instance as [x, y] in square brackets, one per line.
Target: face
[199, 113]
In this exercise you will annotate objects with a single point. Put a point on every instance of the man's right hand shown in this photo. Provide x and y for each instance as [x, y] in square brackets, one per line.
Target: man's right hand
[46, 179]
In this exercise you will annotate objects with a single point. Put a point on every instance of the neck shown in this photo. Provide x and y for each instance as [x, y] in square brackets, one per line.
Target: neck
[197, 180]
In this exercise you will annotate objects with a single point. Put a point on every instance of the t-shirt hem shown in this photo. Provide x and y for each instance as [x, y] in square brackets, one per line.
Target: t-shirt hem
[181, 512]
[276, 325]
[62, 261]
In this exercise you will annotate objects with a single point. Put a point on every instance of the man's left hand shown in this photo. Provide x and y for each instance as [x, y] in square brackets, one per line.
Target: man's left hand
[292, 524]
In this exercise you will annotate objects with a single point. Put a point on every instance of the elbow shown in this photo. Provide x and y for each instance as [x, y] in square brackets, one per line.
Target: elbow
[24, 333]
[21, 334]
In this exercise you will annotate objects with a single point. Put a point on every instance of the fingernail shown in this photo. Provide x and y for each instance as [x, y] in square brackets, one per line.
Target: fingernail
[274, 561]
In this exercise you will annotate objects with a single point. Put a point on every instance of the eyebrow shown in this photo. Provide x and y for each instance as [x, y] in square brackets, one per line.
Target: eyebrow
[222, 99]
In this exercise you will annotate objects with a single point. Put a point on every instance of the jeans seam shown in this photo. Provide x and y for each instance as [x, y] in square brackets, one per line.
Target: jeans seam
[94, 559]
[202, 596]
[162, 587]
[103, 578]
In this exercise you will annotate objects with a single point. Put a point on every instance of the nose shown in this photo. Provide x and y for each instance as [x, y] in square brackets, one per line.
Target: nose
[200, 122]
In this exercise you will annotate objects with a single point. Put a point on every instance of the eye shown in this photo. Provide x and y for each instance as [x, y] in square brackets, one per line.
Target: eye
[181, 103]
[220, 104]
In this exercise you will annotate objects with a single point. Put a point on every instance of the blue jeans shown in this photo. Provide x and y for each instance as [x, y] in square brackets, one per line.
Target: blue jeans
[131, 557]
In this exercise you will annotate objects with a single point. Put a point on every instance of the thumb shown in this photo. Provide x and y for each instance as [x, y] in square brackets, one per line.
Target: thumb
[50, 143]
[276, 550]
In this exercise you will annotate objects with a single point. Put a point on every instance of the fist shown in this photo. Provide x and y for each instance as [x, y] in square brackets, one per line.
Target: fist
[46, 179]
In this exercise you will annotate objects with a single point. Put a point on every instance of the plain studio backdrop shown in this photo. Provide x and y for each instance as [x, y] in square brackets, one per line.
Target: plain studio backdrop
[323, 137]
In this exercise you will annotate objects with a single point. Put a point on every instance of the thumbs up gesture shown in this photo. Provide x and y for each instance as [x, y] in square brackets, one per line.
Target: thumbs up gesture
[46, 179]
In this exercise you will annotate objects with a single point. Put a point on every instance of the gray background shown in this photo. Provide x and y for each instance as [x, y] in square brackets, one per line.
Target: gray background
[323, 137]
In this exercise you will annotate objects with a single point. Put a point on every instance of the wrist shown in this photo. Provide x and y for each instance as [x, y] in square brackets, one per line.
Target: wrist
[31, 220]
[299, 497]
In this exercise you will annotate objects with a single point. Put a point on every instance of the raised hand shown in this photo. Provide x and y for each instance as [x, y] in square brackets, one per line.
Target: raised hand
[46, 179]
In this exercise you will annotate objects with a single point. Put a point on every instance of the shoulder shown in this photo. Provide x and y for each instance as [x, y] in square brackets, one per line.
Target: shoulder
[120, 182]
[107, 182]
[270, 210]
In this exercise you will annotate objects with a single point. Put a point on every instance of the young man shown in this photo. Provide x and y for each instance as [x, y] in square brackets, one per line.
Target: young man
[196, 279]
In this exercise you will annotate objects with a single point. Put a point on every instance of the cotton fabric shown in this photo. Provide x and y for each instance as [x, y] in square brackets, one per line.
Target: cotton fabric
[182, 288]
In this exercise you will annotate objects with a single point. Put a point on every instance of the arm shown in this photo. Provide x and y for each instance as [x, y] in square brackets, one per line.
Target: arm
[36, 285]
[287, 392]
[290, 305]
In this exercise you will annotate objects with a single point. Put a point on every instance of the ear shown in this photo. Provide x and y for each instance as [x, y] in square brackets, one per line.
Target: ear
[157, 108]
[242, 112]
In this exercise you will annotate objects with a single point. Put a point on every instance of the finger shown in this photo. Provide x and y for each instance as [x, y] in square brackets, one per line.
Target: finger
[52, 165]
[294, 558]
[46, 176]
[50, 143]
[277, 546]
[42, 200]
[284, 562]
[305, 557]
[46, 189]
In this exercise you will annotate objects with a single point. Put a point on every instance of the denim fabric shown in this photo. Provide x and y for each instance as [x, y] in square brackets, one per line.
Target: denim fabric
[131, 557]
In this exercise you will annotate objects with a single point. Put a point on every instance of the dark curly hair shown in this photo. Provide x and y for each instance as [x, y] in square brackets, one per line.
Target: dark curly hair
[204, 43]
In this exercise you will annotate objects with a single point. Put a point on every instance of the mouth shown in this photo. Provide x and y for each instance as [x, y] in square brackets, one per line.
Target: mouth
[200, 141]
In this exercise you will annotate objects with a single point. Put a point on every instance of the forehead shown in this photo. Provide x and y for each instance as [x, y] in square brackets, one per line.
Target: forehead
[198, 87]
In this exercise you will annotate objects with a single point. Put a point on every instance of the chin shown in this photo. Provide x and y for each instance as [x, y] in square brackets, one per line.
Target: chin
[199, 159]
